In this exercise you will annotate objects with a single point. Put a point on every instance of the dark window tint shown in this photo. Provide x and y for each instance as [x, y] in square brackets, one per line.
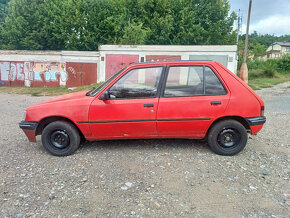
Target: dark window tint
[137, 83]
[213, 85]
[184, 81]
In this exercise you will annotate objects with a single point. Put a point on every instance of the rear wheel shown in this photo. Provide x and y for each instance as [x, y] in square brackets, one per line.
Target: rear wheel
[227, 137]
[60, 138]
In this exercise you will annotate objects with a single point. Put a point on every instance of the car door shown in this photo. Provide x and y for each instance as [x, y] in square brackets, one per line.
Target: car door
[130, 111]
[192, 97]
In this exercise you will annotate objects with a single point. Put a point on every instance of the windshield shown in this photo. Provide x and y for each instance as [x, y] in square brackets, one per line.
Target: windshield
[95, 91]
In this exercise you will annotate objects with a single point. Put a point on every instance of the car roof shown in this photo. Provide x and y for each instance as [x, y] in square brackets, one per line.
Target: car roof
[172, 61]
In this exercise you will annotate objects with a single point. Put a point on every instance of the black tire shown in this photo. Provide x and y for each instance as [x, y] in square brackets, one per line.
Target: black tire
[227, 137]
[60, 138]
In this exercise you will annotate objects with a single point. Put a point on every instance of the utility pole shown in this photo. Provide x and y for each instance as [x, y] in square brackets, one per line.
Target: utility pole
[239, 26]
[244, 67]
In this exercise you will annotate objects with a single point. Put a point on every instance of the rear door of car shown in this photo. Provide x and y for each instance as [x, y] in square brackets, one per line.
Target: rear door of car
[192, 97]
[131, 110]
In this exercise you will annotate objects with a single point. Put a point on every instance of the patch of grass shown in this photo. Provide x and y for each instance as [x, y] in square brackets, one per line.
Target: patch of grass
[265, 82]
[253, 74]
[45, 91]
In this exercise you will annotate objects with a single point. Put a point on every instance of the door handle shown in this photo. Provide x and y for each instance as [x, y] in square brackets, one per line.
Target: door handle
[215, 102]
[148, 105]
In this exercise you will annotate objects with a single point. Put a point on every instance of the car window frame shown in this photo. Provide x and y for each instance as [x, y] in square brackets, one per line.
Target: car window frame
[204, 81]
[103, 86]
[137, 68]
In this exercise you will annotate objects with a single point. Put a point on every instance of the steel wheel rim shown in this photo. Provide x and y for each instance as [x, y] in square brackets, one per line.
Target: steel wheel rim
[59, 139]
[229, 138]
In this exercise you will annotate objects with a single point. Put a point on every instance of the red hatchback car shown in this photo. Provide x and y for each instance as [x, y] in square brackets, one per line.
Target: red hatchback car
[177, 99]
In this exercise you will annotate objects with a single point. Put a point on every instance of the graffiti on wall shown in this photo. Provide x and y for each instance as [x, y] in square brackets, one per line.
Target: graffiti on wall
[11, 71]
[47, 74]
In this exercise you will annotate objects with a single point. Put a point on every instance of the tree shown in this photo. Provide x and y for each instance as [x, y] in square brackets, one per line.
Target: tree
[3, 10]
[23, 26]
[86, 24]
[134, 34]
[259, 50]
[65, 25]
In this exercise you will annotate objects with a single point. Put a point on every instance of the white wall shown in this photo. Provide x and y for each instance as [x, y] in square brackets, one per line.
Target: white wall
[183, 51]
[141, 50]
[49, 56]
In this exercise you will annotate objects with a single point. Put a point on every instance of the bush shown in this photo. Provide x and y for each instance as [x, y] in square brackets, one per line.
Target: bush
[269, 68]
[254, 74]
[284, 63]
[270, 72]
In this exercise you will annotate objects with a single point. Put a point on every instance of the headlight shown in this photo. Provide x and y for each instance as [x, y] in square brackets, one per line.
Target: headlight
[24, 116]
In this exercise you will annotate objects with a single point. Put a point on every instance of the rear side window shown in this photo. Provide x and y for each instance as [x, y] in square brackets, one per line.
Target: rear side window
[213, 85]
[192, 81]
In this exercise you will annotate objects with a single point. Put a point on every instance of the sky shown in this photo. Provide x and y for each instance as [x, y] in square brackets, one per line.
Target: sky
[267, 16]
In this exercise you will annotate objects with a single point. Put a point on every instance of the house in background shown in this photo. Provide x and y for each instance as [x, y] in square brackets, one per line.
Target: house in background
[278, 49]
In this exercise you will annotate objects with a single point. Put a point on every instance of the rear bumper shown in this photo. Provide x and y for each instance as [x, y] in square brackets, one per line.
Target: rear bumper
[255, 121]
[29, 128]
[256, 124]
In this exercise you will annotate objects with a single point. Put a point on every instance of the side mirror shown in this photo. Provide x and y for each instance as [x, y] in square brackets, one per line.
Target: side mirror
[105, 96]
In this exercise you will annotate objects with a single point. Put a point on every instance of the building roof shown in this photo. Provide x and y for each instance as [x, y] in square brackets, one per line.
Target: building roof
[282, 43]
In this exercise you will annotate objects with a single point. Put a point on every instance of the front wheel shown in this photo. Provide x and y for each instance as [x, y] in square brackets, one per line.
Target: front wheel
[60, 138]
[227, 137]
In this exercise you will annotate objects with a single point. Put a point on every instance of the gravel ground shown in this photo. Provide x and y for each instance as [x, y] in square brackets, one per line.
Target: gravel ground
[146, 178]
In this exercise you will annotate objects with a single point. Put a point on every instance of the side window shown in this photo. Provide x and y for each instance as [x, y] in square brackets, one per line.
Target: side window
[192, 81]
[213, 85]
[137, 83]
[184, 81]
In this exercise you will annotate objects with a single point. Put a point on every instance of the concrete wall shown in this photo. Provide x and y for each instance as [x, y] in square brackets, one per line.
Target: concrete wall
[130, 53]
[77, 68]
[48, 68]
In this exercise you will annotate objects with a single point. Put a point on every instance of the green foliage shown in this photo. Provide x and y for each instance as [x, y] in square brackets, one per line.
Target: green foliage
[3, 10]
[85, 24]
[259, 50]
[270, 72]
[265, 39]
[264, 74]
[258, 45]
[134, 35]
[268, 69]
[22, 28]
[283, 64]
[67, 27]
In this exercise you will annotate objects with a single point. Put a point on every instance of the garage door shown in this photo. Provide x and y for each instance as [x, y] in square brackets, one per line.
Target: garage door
[115, 62]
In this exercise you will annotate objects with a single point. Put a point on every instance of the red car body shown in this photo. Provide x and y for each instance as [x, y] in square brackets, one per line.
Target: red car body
[98, 118]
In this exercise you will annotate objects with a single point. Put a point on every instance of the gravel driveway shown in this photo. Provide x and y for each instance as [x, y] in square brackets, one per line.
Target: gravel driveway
[146, 178]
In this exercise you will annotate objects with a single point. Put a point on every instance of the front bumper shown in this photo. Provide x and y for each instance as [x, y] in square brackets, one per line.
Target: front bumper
[29, 128]
[254, 121]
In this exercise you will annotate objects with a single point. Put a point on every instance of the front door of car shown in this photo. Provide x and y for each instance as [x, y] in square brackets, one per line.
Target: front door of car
[192, 97]
[130, 111]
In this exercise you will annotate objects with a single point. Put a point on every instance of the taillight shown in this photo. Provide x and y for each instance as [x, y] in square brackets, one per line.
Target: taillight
[262, 110]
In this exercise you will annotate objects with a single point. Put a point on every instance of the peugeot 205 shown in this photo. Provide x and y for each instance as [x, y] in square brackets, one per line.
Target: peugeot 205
[177, 99]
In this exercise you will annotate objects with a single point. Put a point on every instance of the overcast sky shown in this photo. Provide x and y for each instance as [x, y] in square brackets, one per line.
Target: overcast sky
[268, 16]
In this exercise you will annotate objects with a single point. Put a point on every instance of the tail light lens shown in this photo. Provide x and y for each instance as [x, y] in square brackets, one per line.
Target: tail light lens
[262, 110]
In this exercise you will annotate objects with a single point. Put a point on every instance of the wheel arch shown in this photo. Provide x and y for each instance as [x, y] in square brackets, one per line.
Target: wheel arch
[45, 121]
[237, 118]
